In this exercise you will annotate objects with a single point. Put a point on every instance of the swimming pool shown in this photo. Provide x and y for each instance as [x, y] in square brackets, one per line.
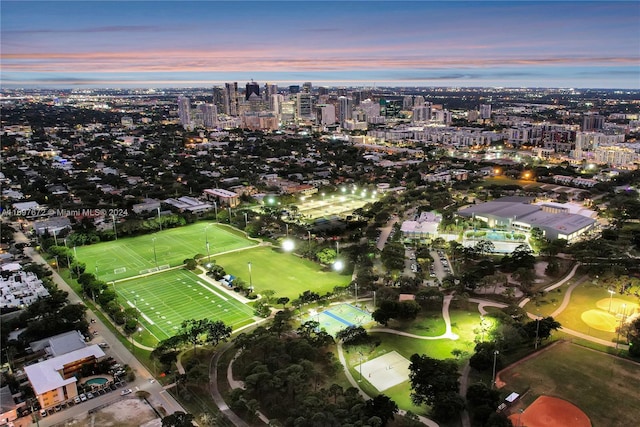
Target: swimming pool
[96, 381]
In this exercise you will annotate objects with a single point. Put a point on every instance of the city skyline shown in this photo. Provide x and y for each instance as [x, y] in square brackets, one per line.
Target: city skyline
[387, 43]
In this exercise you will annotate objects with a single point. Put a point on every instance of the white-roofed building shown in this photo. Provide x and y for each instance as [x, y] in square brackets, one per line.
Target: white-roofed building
[426, 226]
[54, 380]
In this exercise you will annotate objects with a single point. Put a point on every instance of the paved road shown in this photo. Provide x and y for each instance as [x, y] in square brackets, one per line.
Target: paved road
[144, 379]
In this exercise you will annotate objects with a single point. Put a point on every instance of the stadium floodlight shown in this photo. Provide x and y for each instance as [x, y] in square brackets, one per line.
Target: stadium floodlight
[495, 358]
[288, 245]
[611, 292]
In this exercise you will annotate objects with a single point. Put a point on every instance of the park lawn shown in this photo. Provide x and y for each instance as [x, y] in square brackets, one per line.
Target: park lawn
[132, 256]
[428, 323]
[167, 298]
[584, 298]
[605, 387]
[285, 273]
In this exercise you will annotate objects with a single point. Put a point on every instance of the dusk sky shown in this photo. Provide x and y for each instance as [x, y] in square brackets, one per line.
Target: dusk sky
[362, 43]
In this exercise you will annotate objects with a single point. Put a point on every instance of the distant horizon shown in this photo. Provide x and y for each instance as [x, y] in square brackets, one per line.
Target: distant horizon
[561, 44]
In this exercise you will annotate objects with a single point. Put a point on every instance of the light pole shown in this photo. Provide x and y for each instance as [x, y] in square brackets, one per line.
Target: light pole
[115, 230]
[624, 312]
[356, 284]
[495, 358]
[482, 328]
[309, 238]
[250, 278]
[537, 331]
[286, 228]
[67, 251]
[229, 209]
[360, 353]
[155, 256]
[611, 292]
[215, 207]
[206, 241]
[159, 223]
[245, 219]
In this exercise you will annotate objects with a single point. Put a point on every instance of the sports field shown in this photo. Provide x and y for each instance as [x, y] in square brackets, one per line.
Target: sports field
[132, 256]
[338, 204]
[284, 273]
[165, 299]
[605, 387]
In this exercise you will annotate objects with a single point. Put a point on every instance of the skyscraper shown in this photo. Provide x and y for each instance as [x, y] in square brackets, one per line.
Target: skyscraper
[304, 105]
[209, 115]
[485, 111]
[231, 98]
[218, 99]
[252, 88]
[307, 87]
[184, 110]
[346, 109]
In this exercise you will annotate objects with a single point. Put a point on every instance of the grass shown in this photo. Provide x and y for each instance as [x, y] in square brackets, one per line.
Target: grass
[463, 323]
[131, 256]
[166, 299]
[605, 387]
[284, 273]
[584, 298]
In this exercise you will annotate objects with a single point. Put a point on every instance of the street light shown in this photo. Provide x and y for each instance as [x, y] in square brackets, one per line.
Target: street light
[495, 358]
[611, 292]
[537, 331]
[159, 223]
[622, 316]
[215, 207]
[482, 328]
[245, 219]
[206, 241]
[309, 238]
[250, 277]
[115, 230]
[360, 353]
[286, 227]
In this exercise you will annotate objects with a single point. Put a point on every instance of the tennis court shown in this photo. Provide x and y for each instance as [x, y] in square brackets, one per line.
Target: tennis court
[339, 317]
[133, 256]
[339, 204]
[165, 299]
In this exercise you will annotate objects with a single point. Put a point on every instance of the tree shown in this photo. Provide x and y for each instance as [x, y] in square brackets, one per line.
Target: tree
[283, 301]
[382, 407]
[431, 378]
[178, 419]
[217, 331]
[352, 334]
[192, 331]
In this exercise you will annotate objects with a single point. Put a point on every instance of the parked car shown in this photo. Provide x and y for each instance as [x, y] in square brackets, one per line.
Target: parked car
[103, 345]
[77, 400]
[43, 413]
[89, 395]
[126, 391]
[83, 397]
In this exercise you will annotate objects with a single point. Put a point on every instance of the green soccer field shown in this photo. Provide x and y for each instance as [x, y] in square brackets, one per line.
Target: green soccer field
[165, 299]
[132, 256]
[285, 273]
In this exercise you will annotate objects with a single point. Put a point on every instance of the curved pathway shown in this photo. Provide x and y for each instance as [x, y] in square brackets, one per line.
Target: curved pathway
[365, 396]
[448, 334]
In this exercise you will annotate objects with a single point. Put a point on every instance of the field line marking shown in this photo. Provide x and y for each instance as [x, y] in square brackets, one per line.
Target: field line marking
[144, 316]
[212, 291]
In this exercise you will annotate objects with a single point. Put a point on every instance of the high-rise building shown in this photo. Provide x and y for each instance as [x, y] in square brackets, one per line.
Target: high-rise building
[231, 98]
[218, 99]
[184, 110]
[304, 102]
[422, 113]
[269, 90]
[307, 87]
[346, 109]
[591, 122]
[252, 88]
[485, 111]
[326, 114]
[209, 115]
[323, 90]
[293, 89]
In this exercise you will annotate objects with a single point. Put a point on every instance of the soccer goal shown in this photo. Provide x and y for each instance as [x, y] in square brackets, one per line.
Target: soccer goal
[120, 270]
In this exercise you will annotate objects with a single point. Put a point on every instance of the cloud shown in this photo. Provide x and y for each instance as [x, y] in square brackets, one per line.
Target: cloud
[89, 30]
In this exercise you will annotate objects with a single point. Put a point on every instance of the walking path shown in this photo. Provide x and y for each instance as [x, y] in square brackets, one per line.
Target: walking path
[424, 420]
